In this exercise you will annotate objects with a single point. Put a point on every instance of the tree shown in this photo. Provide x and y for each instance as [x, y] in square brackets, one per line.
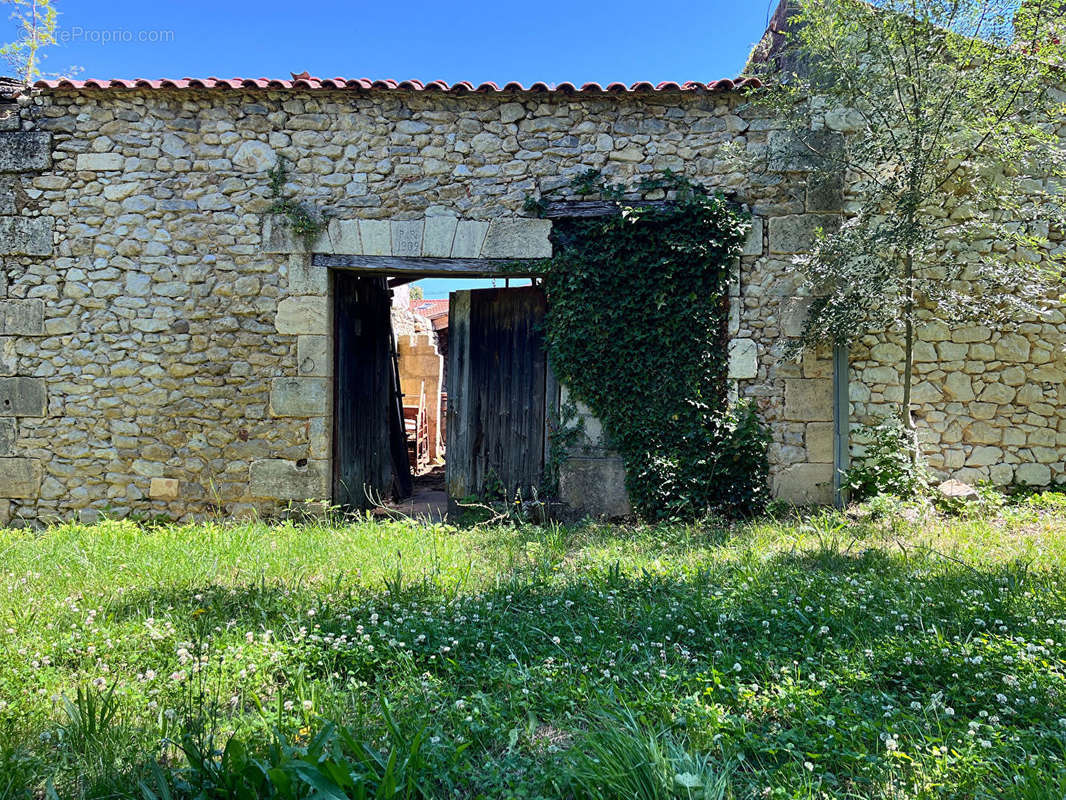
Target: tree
[417, 292]
[948, 113]
[36, 22]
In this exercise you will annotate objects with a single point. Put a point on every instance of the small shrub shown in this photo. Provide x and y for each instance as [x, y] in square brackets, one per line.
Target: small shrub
[891, 464]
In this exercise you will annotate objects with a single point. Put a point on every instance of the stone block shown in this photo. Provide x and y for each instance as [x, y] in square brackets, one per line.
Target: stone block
[164, 489]
[817, 363]
[303, 314]
[100, 162]
[341, 237]
[753, 244]
[794, 311]
[594, 487]
[305, 277]
[804, 151]
[25, 151]
[280, 479]
[805, 485]
[313, 355]
[734, 316]
[1013, 347]
[376, 237]
[972, 333]
[278, 236]
[743, 359]
[7, 197]
[1033, 474]
[23, 397]
[809, 400]
[8, 435]
[299, 397]
[984, 456]
[518, 238]
[21, 317]
[438, 236]
[254, 157]
[20, 478]
[26, 236]
[469, 238]
[407, 237]
[798, 233]
[825, 193]
[959, 387]
[820, 437]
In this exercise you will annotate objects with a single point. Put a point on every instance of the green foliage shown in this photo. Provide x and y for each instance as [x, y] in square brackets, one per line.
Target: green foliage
[36, 21]
[305, 223]
[636, 328]
[891, 463]
[619, 759]
[331, 764]
[819, 657]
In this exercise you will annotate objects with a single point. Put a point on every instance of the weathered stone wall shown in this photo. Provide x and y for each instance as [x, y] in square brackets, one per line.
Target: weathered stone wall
[989, 403]
[167, 349]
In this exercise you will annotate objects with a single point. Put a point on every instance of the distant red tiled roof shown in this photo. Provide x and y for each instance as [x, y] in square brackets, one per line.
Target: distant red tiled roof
[305, 81]
[430, 308]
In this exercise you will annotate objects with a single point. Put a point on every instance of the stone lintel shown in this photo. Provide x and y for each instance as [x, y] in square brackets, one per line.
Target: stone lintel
[439, 236]
[518, 238]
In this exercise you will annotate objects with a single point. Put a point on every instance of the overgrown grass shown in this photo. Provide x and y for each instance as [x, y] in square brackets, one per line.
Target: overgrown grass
[892, 656]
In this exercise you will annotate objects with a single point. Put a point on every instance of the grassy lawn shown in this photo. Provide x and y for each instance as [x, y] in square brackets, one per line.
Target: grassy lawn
[816, 657]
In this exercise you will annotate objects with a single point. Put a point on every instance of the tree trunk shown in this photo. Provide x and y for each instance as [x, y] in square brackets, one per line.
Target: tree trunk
[908, 347]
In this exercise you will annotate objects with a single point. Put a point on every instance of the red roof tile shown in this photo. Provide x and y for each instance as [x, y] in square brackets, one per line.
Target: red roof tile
[304, 81]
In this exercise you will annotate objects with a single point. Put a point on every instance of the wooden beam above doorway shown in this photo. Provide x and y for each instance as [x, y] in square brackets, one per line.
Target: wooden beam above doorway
[429, 267]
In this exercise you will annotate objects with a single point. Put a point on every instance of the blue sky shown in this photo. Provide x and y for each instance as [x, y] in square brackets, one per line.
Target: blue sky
[474, 40]
[575, 41]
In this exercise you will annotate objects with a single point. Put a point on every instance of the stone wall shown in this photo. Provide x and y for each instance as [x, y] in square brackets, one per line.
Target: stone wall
[989, 402]
[166, 348]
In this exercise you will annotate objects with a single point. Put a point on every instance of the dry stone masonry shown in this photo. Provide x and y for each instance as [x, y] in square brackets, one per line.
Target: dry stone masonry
[166, 344]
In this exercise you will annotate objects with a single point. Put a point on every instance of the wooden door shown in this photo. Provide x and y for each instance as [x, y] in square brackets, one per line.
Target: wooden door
[497, 392]
[369, 449]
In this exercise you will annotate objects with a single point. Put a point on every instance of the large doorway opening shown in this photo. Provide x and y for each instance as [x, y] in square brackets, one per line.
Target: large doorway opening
[438, 400]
